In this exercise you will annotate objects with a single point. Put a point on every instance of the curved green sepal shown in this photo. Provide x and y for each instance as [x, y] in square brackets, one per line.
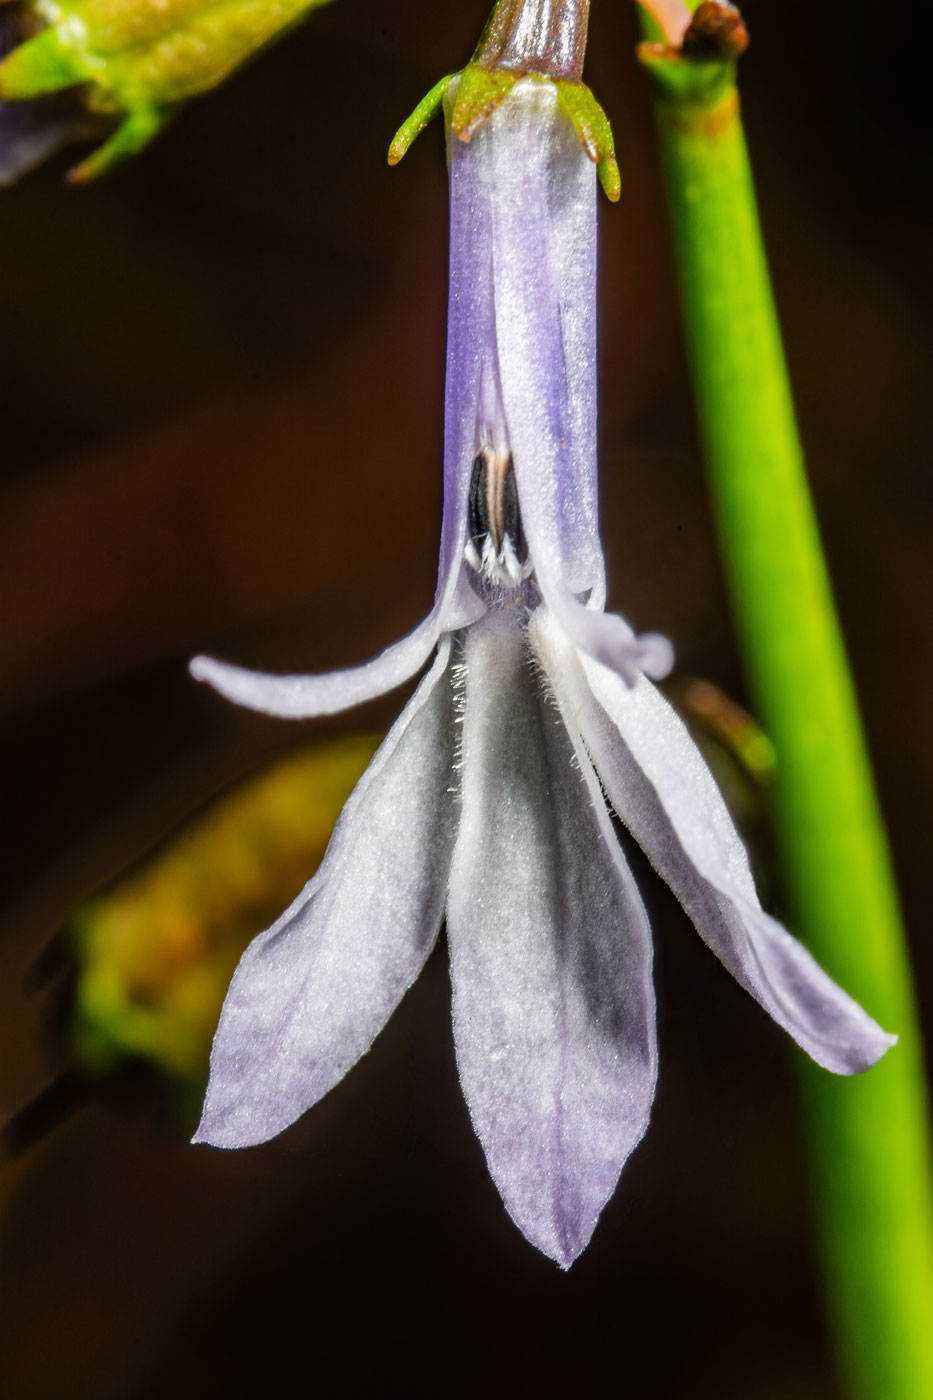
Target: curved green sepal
[413, 126]
[137, 129]
[476, 94]
[592, 126]
[40, 66]
[479, 92]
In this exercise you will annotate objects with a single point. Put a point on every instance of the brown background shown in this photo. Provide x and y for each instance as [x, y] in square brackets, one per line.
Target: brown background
[221, 429]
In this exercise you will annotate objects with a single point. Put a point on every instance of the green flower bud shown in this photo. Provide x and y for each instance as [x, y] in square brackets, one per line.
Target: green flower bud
[139, 60]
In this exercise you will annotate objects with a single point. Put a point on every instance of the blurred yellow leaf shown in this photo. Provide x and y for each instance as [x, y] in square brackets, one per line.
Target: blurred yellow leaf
[155, 953]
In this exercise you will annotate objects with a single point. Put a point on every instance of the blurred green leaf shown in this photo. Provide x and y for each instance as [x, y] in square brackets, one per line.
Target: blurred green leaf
[140, 60]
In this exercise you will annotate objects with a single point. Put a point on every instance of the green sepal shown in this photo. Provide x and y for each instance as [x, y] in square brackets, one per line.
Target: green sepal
[413, 126]
[138, 128]
[479, 91]
[477, 97]
[592, 126]
[40, 66]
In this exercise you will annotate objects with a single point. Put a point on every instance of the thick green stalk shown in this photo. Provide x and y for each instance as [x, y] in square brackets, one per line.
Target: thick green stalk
[869, 1135]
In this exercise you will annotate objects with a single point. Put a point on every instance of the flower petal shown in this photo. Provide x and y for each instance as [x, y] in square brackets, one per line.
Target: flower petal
[665, 794]
[608, 638]
[312, 992]
[533, 187]
[301, 697]
[541, 201]
[470, 328]
[550, 955]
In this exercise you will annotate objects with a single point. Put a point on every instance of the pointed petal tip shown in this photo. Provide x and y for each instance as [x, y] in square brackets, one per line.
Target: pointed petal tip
[568, 1254]
[208, 1140]
[208, 1134]
[660, 785]
[203, 1137]
[561, 1241]
[231, 1131]
[549, 1239]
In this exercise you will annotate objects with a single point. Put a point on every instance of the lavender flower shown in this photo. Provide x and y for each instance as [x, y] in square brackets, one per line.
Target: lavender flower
[489, 801]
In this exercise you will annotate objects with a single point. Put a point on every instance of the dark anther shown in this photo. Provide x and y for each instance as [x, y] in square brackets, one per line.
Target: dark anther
[717, 31]
[511, 515]
[478, 521]
[493, 505]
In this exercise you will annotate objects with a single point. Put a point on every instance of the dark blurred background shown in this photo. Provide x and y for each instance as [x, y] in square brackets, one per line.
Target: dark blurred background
[221, 429]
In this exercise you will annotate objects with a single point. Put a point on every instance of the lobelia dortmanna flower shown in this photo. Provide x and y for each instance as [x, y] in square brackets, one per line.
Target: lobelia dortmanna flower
[489, 803]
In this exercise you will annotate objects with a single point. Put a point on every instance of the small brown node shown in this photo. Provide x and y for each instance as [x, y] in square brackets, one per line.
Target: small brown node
[717, 31]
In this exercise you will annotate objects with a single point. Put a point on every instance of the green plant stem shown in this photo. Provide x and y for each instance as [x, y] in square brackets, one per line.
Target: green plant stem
[868, 1136]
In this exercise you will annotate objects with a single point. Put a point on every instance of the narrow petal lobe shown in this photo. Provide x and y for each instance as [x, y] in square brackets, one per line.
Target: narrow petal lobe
[550, 957]
[665, 794]
[542, 208]
[531, 192]
[302, 697]
[312, 992]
